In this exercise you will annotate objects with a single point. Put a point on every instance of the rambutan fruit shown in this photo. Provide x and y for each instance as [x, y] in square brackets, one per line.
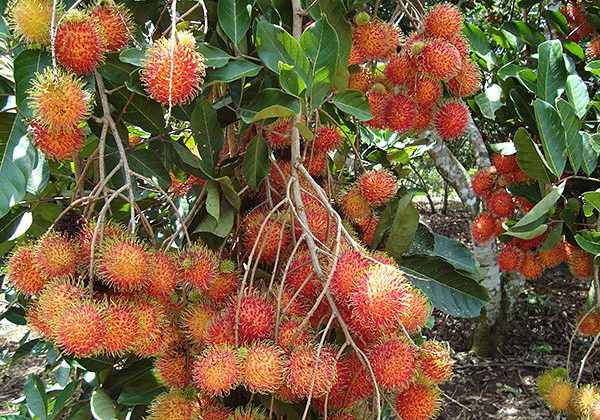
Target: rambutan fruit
[151, 323]
[173, 405]
[376, 39]
[316, 163]
[291, 336]
[30, 20]
[394, 363]
[399, 70]
[451, 119]
[23, 271]
[110, 231]
[378, 98]
[249, 412]
[378, 187]
[418, 312]
[367, 229]
[501, 203]
[267, 243]
[172, 369]
[467, 82]
[302, 277]
[354, 206]
[593, 50]
[124, 264]
[360, 80]
[116, 24]
[554, 256]
[585, 397]
[278, 134]
[263, 368]
[588, 324]
[198, 266]
[435, 361]
[418, 402]
[220, 289]
[414, 45]
[79, 43]
[296, 307]
[483, 228]
[56, 256]
[195, 320]
[356, 55]
[362, 18]
[220, 330]
[58, 145]
[560, 396]
[162, 275]
[81, 330]
[309, 370]
[484, 182]
[255, 319]
[59, 103]
[462, 45]
[510, 258]
[505, 164]
[399, 113]
[578, 22]
[380, 296]
[360, 383]
[594, 413]
[121, 327]
[216, 412]
[326, 138]
[339, 396]
[173, 70]
[529, 244]
[423, 118]
[443, 21]
[426, 91]
[217, 371]
[350, 266]
[531, 266]
[439, 60]
[545, 381]
[581, 265]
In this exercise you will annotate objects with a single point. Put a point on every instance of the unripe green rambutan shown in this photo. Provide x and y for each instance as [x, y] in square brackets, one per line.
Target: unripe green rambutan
[116, 24]
[173, 405]
[249, 412]
[124, 264]
[216, 371]
[23, 271]
[173, 368]
[435, 361]
[362, 18]
[418, 402]
[444, 21]
[255, 319]
[198, 266]
[305, 365]
[263, 368]
[121, 327]
[81, 330]
[545, 381]
[394, 363]
[378, 187]
[79, 43]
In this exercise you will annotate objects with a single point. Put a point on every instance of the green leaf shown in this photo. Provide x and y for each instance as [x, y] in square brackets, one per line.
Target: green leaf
[587, 245]
[354, 102]
[590, 154]
[234, 18]
[542, 208]
[35, 394]
[26, 64]
[191, 163]
[571, 125]
[552, 135]
[256, 162]
[213, 56]
[574, 48]
[479, 43]
[553, 238]
[454, 252]
[577, 94]
[18, 160]
[403, 227]
[593, 198]
[213, 199]
[234, 70]
[102, 405]
[524, 31]
[530, 159]
[229, 192]
[221, 227]
[270, 103]
[139, 110]
[141, 390]
[64, 397]
[557, 20]
[489, 101]
[134, 56]
[522, 104]
[528, 234]
[148, 163]
[320, 43]
[449, 291]
[528, 79]
[509, 70]
[551, 72]
[207, 132]
[594, 67]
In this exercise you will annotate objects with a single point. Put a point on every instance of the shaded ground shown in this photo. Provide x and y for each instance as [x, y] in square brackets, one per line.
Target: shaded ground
[538, 338]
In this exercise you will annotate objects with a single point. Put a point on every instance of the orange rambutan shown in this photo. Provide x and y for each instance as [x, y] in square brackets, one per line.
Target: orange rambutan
[554, 256]
[356, 55]
[56, 256]
[310, 372]
[224, 285]
[58, 145]
[173, 405]
[267, 243]
[172, 368]
[484, 182]
[399, 70]
[418, 402]
[255, 319]
[360, 80]
[59, 103]
[423, 118]
[483, 228]
[81, 330]
[560, 396]
[399, 113]
[378, 98]
[291, 336]
[151, 323]
[588, 323]
[585, 397]
[439, 60]
[467, 82]
[367, 229]
[162, 275]
[594, 413]
[216, 371]
[378, 187]
[263, 368]
[360, 383]
[79, 43]
[426, 91]
[376, 39]
[30, 20]
[124, 264]
[354, 206]
[121, 327]
[510, 258]
[316, 163]
[462, 45]
[350, 266]
[593, 50]
[301, 277]
[380, 296]
[394, 363]
[220, 330]
[326, 138]
[452, 119]
[418, 311]
[435, 361]
[278, 134]
[109, 231]
[116, 24]
[23, 271]
[501, 203]
[195, 320]
[444, 20]
[173, 70]
[581, 265]
[198, 266]
[531, 266]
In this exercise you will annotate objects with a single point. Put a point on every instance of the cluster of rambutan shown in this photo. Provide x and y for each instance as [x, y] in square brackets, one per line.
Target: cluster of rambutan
[421, 86]
[562, 396]
[579, 27]
[527, 256]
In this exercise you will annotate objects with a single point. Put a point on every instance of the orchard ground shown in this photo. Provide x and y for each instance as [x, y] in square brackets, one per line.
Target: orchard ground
[502, 388]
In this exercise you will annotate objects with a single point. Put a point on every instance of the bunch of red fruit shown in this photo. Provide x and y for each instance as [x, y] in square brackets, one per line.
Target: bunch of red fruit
[523, 255]
[421, 86]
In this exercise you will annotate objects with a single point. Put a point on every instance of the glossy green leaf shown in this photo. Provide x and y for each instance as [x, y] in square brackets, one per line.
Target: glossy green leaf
[552, 135]
[191, 163]
[234, 18]
[590, 154]
[571, 125]
[270, 103]
[139, 110]
[551, 72]
[553, 238]
[213, 199]
[354, 102]
[480, 44]
[542, 208]
[587, 245]
[528, 79]
[133, 56]
[256, 162]
[63, 398]
[232, 71]
[577, 94]
[221, 227]
[489, 101]
[141, 390]
[148, 163]
[229, 192]
[530, 158]
[35, 394]
[509, 70]
[524, 31]
[207, 132]
[527, 234]
[522, 104]
[573, 47]
[403, 228]
[26, 64]
[557, 20]
[594, 67]
[102, 406]
[213, 56]
[449, 291]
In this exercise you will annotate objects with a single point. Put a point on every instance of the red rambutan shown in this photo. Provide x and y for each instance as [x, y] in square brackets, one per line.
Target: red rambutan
[394, 363]
[220, 289]
[198, 266]
[121, 327]
[531, 266]
[216, 412]
[378, 99]
[505, 164]
[305, 364]
[172, 369]
[290, 336]
[510, 258]
[58, 145]
[316, 163]
[483, 228]
[593, 50]
[418, 402]
[376, 39]
[423, 118]
[418, 311]
[79, 44]
[81, 330]
[554, 256]
[444, 20]
[267, 243]
[360, 80]
[151, 323]
[484, 182]
[435, 361]
[581, 265]
[220, 330]
[354, 206]
[23, 271]
[195, 320]
[255, 319]
[302, 277]
[399, 70]
[263, 368]
[452, 119]
[326, 138]
[162, 275]
[440, 60]
[278, 134]
[399, 113]
[124, 264]
[216, 371]
[501, 203]
[350, 266]
[426, 91]
[56, 256]
[116, 25]
[467, 82]
[378, 187]
[584, 399]
[588, 324]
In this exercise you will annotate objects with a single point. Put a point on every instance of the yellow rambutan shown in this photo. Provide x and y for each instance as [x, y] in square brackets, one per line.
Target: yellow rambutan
[399, 113]
[594, 413]
[444, 20]
[560, 396]
[173, 70]
[56, 256]
[79, 43]
[81, 330]
[116, 24]
[195, 320]
[467, 81]
[255, 319]
[151, 322]
[121, 327]
[263, 368]
[435, 361]
[531, 266]
[216, 371]
[23, 271]
[377, 187]
[198, 266]
[394, 363]
[30, 20]
[173, 405]
[451, 119]
[418, 402]
[173, 368]
[545, 381]
[585, 397]
[124, 264]
[350, 266]
[306, 364]
[162, 275]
